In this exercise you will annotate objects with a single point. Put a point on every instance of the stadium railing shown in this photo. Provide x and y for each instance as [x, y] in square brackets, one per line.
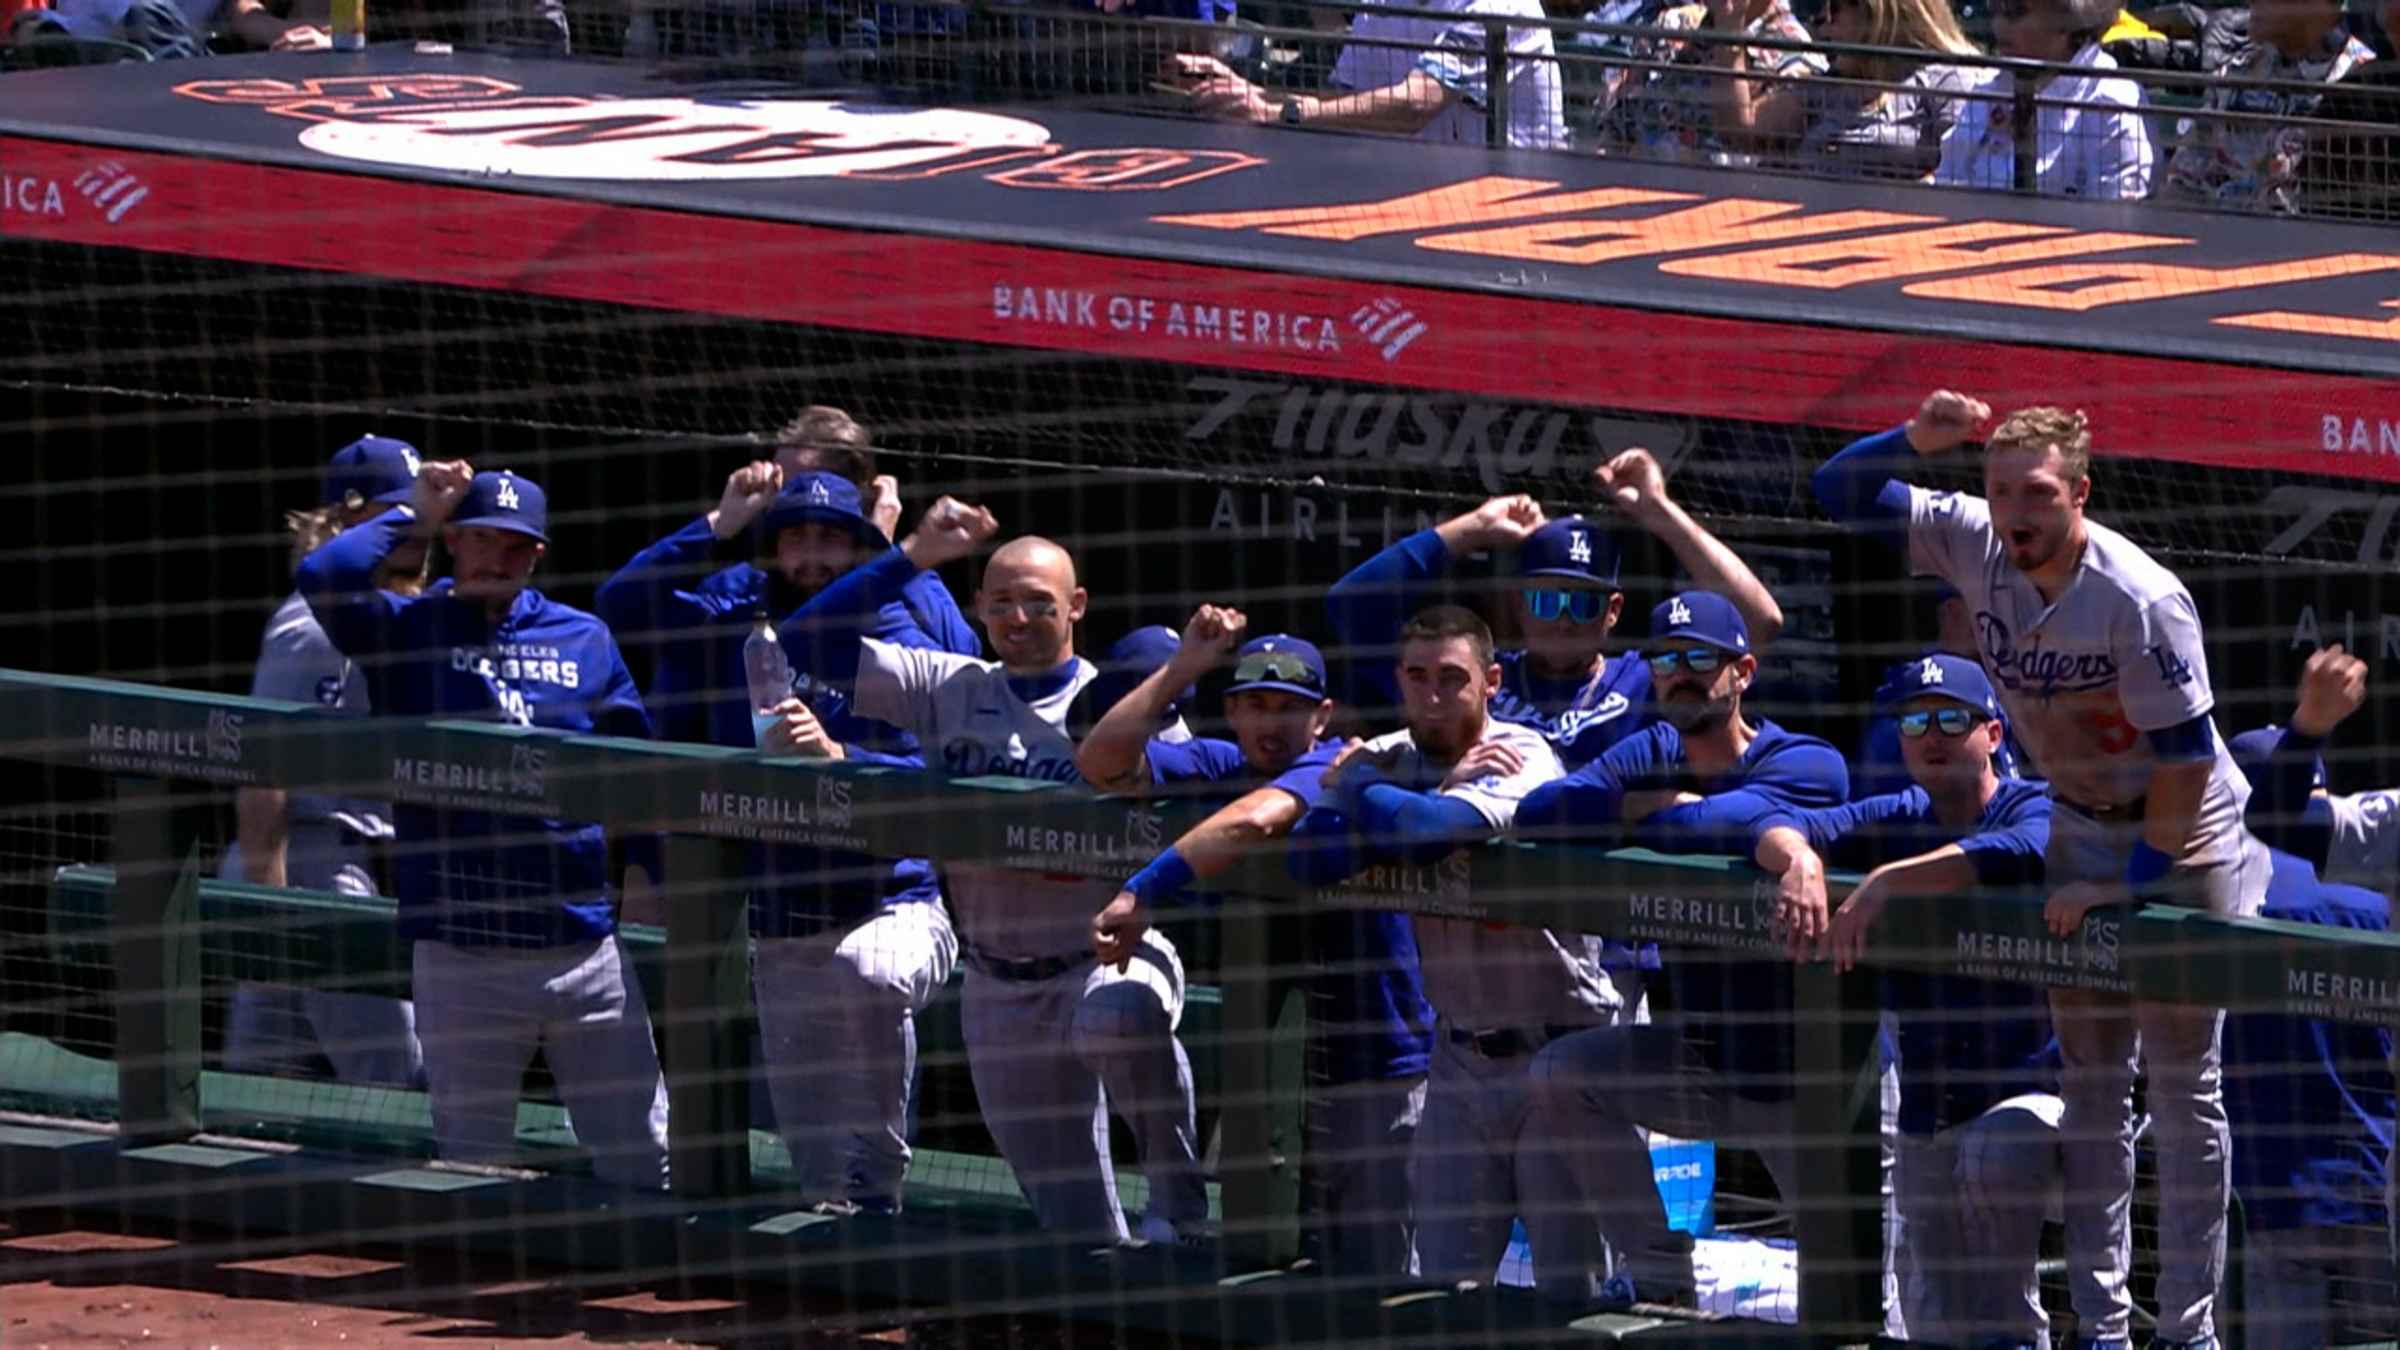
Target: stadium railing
[713, 800]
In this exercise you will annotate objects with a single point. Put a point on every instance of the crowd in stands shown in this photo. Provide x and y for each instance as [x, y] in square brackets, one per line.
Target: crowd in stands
[1891, 89]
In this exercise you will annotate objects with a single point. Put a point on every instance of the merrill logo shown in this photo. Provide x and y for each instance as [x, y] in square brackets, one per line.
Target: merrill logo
[225, 736]
[527, 769]
[524, 776]
[2089, 960]
[2339, 997]
[213, 752]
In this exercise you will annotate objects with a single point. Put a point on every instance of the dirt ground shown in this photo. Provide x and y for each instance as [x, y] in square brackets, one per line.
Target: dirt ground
[68, 1284]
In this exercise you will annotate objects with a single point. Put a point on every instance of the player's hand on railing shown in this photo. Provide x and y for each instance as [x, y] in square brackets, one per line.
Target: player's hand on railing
[749, 490]
[1216, 91]
[796, 731]
[441, 485]
[1947, 419]
[1117, 929]
[1643, 803]
[1800, 906]
[950, 530]
[1631, 481]
[1501, 523]
[1846, 936]
[2333, 685]
[1489, 759]
[301, 37]
[2067, 905]
[885, 509]
[1209, 636]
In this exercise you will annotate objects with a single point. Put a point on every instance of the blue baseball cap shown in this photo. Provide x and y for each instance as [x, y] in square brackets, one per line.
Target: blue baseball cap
[371, 469]
[1573, 547]
[2253, 749]
[1701, 616]
[1282, 663]
[1130, 660]
[1939, 675]
[819, 498]
[505, 501]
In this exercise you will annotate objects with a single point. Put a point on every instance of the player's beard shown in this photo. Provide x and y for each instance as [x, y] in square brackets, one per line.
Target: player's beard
[1694, 716]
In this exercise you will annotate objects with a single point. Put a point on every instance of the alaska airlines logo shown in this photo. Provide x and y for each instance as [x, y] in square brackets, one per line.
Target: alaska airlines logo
[2039, 671]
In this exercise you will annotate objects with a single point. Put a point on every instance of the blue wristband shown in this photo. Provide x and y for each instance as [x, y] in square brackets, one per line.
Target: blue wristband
[1163, 879]
[2146, 865]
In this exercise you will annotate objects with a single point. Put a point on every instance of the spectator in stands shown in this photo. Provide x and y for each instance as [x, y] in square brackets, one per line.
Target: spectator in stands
[1433, 85]
[1704, 779]
[2244, 147]
[2088, 137]
[1672, 114]
[173, 28]
[314, 840]
[1875, 116]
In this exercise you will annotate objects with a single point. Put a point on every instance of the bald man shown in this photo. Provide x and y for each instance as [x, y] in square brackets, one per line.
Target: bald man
[1048, 1028]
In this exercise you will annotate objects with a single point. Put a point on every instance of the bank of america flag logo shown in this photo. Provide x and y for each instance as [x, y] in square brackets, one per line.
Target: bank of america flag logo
[112, 189]
[1390, 325]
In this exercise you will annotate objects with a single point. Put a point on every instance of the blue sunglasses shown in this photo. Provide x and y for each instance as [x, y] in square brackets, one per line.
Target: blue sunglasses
[1583, 606]
[1698, 660]
[1952, 721]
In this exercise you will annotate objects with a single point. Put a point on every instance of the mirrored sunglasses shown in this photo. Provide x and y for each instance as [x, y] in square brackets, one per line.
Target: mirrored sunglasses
[1548, 604]
[1952, 721]
[1280, 667]
[1698, 660]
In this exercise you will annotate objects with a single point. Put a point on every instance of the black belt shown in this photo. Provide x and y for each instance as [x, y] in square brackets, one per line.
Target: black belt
[2124, 813]
[1028, 970]
[1510, 1042]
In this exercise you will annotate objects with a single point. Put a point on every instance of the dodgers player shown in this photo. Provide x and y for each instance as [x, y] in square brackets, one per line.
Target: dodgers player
[2096, 652]
[1562, 682]
[1978, 1162]
[1703, 779]
[848, 948]
[1453, 776]
[1367, 1006]
[1880, 767]
[1047, 1028]
[314, 840]
[511, 917]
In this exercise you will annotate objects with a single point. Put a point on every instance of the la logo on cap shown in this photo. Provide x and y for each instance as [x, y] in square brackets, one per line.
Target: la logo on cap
[1929, 673]
[818, 494]
[508, 494]
[1579, 546]
[1678, 612]
[410, 457]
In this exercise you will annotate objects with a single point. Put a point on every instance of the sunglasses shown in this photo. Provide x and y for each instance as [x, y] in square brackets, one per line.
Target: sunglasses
[1281, 667]
[1579, 605]
[1952, 721]
[1698, 660]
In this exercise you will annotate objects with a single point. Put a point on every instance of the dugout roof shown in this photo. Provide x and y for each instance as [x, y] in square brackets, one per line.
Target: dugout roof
[1559, 278]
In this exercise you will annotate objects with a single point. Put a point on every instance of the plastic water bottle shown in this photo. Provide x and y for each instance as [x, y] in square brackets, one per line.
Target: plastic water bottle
[767, 670]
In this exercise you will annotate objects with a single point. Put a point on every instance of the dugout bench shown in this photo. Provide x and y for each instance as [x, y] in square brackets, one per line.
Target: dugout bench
[714, 801]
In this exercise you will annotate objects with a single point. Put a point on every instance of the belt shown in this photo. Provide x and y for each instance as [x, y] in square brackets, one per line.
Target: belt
[1026, 970]
[2124, 813]
[1510, 1042]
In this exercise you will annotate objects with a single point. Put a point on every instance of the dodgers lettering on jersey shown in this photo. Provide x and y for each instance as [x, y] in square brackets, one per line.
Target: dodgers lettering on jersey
[1482, 976]
[2119, 655]
[974, 720]
[1580, 718]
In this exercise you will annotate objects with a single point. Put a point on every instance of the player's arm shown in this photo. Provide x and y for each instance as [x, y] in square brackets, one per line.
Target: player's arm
[2354, 838]
[1420, 827]
[259, 28]
[1861, 487]
[1789, 844]
[1111, 756]
[264, 832]
[935, 613]
[1634, 484]
[1594, 797]
[339, 579]
[2008, 855]
[1323, 850]
[1216, 90]
[1211, 848]
[1366, 608]
[825, 636]
[639, 599]
[618, 711]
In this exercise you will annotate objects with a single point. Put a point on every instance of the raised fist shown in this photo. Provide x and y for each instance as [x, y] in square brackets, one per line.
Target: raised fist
[1501, 523]
[884, 510]
[1211, 635]
[949, 531]
[2332, 686]
[1947, 419]
[1631, 480]
[749, 490]
[441, 486]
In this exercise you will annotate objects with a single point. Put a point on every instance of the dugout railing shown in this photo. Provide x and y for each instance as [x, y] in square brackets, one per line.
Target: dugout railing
[713, 801]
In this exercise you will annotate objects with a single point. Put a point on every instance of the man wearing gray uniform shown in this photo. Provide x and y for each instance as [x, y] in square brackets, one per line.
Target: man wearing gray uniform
[313, 840]
[2096, 652]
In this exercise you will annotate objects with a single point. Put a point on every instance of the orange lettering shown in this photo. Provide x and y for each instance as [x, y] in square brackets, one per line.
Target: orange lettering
[1470, 203]
[1713, 225]
[2321, 325]
[2081, 286]
[1886, 257]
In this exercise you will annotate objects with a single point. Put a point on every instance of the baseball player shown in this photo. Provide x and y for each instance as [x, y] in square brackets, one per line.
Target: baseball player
[1702, 779]
[1368, 1005]
[1978, 1160]
[1455, 775]
[315, 840]
[512, 917]
[1047, 1028]
[1129, 662]
[848, 948]
[2096, 652]
[1880, 767]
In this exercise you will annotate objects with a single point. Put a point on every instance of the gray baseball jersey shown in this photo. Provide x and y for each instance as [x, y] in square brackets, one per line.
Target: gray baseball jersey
[1484, 976]
[972, 721]
[298, 663]
[2082, 680]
